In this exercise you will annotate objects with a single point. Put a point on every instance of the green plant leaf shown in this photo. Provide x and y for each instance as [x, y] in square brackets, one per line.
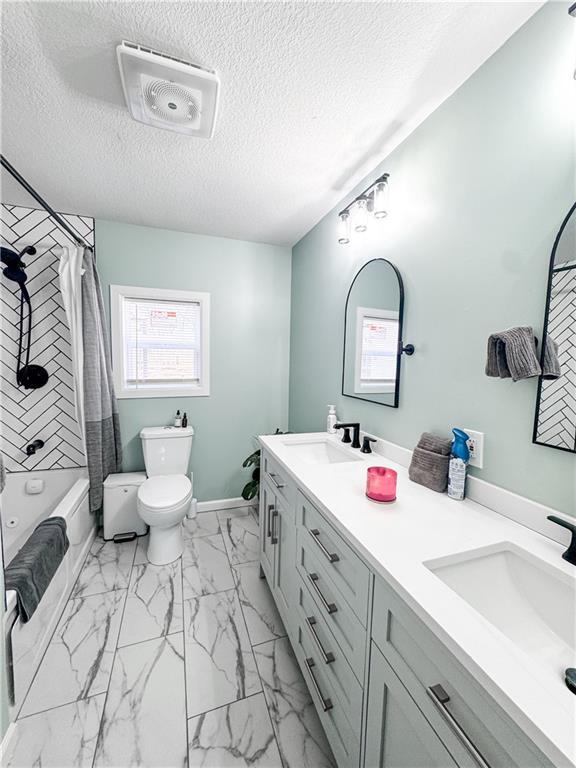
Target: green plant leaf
[254, 458]
[250, 490]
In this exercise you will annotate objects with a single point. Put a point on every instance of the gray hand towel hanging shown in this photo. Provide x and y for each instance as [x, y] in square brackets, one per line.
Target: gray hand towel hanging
[551, 363]
[512, 354]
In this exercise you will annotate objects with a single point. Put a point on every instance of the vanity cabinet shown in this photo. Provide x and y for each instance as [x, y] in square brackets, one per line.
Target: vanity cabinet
[388, 692]
[397, 733]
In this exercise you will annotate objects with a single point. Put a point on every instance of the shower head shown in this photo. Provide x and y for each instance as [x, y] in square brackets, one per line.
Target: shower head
[14, 269]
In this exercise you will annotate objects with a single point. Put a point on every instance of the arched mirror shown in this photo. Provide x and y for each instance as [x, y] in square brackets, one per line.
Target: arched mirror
[373, 334]
[555, 422]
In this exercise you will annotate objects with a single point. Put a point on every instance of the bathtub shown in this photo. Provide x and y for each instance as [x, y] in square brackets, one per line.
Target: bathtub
[65, 495]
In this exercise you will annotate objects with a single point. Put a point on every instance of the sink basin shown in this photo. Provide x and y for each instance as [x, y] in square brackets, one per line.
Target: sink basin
[320, 452]
[528, 600]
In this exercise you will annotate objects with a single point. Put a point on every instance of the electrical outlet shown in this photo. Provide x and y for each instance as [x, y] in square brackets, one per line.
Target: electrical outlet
[476, 447]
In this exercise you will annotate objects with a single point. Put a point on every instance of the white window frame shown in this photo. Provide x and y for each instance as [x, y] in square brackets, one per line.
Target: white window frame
[117, 295]
[387, 386]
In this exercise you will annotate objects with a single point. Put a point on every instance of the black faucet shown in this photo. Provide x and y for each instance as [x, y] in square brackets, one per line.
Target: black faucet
[366, 444]
[570, 554]
[355, 427]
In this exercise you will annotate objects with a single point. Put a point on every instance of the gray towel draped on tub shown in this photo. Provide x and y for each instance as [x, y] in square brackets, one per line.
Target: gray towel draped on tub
[32, 569]
[103, 445]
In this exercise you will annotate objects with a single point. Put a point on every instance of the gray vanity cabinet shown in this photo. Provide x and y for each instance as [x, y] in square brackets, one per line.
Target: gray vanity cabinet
[397, 733]
[388, 692]
[267, 505]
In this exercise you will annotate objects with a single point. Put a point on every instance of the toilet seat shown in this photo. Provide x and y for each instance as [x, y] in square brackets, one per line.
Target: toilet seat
[164, 493]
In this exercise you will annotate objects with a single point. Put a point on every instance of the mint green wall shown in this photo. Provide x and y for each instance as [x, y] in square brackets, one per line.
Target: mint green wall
[249, 284]
[478, 192]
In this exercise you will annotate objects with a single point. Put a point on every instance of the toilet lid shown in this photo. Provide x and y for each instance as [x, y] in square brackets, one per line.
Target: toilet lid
[164, 491]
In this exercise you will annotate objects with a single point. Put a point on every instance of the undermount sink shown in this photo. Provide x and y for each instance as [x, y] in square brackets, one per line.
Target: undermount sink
[320, 452]
[528, 600]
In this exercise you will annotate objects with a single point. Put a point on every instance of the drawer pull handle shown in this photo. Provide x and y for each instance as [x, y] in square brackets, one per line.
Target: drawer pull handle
[327, 657]
[273, 477]
[330, 556]
[274, 534]
[440, 698]
[268, 529]
[330, 607]
[326, 703]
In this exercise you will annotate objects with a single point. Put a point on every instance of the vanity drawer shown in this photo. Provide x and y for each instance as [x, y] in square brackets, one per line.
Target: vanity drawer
[346, 570]
[328, 655]
[342, 736]
[279, 480]
[422, 662]
[349, 632]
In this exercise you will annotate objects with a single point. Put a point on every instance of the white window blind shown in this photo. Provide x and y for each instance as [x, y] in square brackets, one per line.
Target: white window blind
[379, 349]
[162, 343]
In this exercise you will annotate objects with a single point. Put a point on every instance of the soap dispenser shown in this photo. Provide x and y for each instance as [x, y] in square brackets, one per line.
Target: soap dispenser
[332, 420]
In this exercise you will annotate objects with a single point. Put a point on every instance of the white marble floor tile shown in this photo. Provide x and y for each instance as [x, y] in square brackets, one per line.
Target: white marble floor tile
[205, 566]
[64, 737]
[237, 735]
[204, 524]
[241, 536]
[141, 555]
[144, 721]
[78, 661]
[262, 618]
[298, 730]
[220, 666]
[153, 604]
[107, 567]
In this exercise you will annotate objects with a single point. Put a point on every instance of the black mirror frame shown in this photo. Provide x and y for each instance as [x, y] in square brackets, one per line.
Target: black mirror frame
[557, 239]
[407, 349]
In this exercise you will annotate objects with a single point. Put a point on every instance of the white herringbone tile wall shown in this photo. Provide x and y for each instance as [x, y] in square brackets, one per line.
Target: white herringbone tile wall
[47, 413]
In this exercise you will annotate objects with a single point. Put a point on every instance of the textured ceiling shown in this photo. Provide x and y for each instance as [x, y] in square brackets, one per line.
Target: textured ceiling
[314, 95]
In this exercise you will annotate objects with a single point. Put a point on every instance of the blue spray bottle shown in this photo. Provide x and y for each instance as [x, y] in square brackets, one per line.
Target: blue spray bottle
[459, 458]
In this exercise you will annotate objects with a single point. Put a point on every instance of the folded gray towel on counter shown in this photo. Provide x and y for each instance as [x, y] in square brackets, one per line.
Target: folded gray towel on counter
[512, 354]
[551, 365]
[429, 469]
[434, 443]
[32, 569]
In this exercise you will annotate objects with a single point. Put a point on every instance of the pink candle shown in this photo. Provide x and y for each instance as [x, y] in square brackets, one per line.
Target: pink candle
[381, 484]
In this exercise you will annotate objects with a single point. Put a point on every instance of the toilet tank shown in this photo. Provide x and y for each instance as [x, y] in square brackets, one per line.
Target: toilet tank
[166, 450]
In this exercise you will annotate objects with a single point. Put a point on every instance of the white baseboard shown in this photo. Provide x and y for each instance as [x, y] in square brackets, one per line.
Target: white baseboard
[210, 506]
[525, 511]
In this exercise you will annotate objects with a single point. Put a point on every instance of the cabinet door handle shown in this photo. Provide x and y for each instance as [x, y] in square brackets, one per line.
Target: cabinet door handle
[330, 556]
[268, 529]
[273, 477]
[328, 657]
[326, 703]
[330, 607]
[274, 534]
[440, 698]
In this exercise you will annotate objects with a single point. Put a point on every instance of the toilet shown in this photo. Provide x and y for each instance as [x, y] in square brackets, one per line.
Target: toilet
[164, 498]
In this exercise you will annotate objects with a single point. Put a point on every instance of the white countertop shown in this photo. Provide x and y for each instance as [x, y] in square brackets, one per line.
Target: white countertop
[396, 539]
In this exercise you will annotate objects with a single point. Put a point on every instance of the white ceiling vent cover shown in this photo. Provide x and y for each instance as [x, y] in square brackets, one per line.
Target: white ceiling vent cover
[167, 92]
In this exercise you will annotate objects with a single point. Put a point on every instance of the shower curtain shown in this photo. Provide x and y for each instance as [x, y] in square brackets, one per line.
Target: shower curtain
[93, 373]
[70, 272]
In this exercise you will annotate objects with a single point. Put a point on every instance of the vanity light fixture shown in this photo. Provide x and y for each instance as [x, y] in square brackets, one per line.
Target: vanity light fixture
[360, 214]
[373, 200]
[344, 228]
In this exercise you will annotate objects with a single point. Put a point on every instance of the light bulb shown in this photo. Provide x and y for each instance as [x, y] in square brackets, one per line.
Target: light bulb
[344, 228]
[381, 200]
[361, 214]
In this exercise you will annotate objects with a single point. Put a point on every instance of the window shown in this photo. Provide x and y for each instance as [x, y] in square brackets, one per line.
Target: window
[160, 342]
[376, 350]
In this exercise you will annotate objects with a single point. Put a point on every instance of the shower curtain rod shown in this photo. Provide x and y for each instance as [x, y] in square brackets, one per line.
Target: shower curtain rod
[78, 239]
